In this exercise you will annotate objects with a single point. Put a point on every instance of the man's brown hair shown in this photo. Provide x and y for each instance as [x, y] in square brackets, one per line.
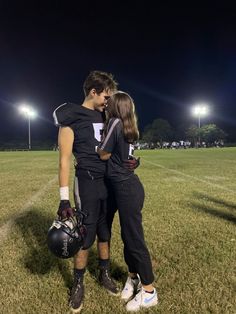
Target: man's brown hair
[100, 81]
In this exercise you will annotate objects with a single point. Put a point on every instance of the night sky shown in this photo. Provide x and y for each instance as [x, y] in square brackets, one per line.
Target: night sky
[168, 59]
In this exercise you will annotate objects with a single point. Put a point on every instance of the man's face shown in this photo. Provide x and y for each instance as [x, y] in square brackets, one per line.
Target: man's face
[100, 100]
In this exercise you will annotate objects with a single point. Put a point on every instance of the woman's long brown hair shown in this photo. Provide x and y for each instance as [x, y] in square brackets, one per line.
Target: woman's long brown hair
[121, 106]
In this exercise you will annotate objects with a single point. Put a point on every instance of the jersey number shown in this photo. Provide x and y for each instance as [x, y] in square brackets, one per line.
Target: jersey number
[131, 151]
[98, 128]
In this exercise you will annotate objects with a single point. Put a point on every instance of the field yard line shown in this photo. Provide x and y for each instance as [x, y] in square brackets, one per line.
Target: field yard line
[189, 176]
[5, 228]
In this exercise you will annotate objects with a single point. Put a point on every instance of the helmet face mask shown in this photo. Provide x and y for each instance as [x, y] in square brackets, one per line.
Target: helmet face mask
[65, 237]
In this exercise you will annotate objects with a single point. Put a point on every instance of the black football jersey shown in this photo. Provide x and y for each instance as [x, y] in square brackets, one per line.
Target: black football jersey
[87, 126]
[120, 150]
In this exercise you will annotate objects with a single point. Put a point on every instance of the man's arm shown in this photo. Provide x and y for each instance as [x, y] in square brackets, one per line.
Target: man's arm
[131, 164]
[65, 141]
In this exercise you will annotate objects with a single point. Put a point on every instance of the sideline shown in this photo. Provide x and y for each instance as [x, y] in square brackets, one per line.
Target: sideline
[6, 227]
[190, 177]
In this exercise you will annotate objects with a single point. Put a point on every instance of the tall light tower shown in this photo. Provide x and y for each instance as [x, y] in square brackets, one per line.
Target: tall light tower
[29, 113]
[200, 110]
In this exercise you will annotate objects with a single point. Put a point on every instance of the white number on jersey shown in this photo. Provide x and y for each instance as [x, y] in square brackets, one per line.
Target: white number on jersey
[98, 128]
[131, 151]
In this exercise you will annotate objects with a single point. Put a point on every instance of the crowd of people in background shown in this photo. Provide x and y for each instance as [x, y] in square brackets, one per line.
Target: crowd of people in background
[180, 144]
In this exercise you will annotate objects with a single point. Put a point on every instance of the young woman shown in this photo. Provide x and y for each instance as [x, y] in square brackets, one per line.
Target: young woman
[120, 134]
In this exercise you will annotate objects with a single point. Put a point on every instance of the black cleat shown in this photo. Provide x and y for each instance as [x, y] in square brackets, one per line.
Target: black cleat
[76, 297]
[107, 282]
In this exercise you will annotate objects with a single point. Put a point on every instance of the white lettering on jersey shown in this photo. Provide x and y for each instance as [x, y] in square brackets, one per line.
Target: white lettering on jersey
[98, 128]
[131, 151]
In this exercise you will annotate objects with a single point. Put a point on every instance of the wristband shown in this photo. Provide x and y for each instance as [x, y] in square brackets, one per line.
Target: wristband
[64, 193]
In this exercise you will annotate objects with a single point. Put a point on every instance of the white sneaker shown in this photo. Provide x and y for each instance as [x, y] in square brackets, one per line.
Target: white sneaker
[130, 288]
[142, 299]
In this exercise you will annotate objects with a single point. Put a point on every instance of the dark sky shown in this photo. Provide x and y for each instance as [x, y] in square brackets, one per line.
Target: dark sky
[168, 58]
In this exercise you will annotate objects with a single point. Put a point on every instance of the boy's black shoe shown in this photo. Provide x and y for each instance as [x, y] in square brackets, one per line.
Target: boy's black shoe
[77, 295]
[107, 282]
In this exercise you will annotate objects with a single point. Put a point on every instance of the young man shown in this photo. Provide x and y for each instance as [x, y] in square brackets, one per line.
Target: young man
[80, 132]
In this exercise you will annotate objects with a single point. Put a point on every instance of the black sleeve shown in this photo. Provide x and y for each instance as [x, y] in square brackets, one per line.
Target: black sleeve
[65, 114]
[113, 131]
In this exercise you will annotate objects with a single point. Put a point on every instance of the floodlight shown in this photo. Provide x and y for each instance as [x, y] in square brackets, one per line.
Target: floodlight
[29, 113]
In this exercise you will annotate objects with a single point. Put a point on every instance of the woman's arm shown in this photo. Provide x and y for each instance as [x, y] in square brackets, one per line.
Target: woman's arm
[103, 154]
[107, 145]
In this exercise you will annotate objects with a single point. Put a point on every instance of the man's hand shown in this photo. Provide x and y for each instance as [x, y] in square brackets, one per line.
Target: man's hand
[131, 164]
[65, 210]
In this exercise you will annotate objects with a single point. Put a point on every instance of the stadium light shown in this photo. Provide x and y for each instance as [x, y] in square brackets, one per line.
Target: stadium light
[200, 110]
[29, 113]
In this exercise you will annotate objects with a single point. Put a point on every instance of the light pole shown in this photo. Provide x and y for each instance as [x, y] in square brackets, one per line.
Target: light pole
[29, 113]
[200, 110]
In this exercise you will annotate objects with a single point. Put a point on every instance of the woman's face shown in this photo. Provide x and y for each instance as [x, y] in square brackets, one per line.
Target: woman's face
[109, 107]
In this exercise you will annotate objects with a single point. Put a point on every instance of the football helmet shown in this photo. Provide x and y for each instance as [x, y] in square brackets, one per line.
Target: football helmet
[66, 236]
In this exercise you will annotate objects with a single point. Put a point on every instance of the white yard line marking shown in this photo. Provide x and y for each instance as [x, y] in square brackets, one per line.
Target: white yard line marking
[5, 228]
[191, 177]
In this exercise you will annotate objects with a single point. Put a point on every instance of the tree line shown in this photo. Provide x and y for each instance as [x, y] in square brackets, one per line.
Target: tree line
[160, 131]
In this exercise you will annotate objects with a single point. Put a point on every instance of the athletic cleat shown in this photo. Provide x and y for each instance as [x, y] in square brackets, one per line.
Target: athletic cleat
[131, 287]
[77, 295]
[142, 299]
[107, 282]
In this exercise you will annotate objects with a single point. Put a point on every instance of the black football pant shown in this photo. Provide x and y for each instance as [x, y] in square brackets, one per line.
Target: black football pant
[90, 196]
[129, 198]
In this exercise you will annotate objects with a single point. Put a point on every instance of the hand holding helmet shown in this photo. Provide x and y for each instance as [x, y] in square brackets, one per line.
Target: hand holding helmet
[65, 210]
[66, 236]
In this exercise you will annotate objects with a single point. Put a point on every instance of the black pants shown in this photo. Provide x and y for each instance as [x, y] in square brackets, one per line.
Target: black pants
[90, 196]
[129, 197]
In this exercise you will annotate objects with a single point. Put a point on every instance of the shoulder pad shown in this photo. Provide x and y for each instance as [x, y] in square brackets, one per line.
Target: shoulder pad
[66, 114]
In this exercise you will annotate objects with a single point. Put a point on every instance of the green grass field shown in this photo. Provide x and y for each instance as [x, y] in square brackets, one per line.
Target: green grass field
[189, 222]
